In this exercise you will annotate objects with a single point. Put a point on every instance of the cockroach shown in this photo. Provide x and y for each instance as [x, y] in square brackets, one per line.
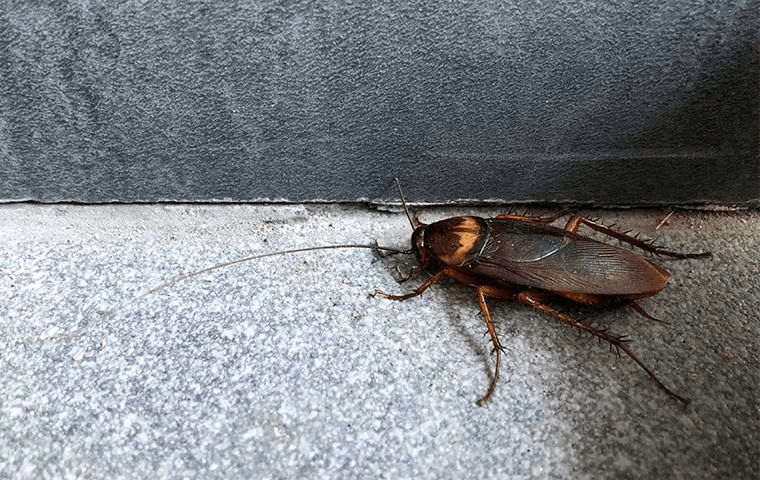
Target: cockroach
[524, 258]
[508, 257]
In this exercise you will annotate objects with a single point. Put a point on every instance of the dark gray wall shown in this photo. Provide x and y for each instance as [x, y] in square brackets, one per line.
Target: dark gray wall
[616, 103]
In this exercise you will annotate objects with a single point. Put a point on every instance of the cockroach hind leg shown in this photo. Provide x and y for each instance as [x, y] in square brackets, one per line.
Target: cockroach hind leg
[664, 220]
[532, 298]
[636, 242]
[641, 311]
[533, 218]
[572, 223]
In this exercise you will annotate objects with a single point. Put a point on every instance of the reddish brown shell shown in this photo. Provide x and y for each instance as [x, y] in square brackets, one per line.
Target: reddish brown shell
[535, 255]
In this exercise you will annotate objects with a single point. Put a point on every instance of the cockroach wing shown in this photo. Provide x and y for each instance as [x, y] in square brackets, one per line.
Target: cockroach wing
[549, 258]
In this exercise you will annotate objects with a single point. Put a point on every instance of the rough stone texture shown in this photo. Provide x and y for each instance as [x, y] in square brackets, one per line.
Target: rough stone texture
[286, 367]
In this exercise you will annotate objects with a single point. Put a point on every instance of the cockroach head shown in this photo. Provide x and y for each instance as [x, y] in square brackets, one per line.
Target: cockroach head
[418, 235]
[418, 244]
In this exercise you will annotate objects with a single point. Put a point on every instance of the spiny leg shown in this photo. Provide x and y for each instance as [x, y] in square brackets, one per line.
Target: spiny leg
[496, 346]
[482, 293]
[441, 275]
[533, 218]
[532, 299]
[438, 277]
[575, 221]
[640, 310]
[664, 220]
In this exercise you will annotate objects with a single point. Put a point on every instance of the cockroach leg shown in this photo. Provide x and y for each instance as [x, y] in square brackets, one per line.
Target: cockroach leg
[664, 220]
[438, 277]
[412, 272]
[640, 310]
[532, 299]
[574, 222]
[482, 293]
[496, 346]
[533, 218]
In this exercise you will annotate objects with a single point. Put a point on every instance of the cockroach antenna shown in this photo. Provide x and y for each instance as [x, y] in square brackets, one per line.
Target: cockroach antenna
[412, 220]
[67, 337]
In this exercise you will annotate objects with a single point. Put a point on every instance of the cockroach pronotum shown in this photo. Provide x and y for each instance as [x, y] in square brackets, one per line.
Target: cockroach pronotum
[523, 258]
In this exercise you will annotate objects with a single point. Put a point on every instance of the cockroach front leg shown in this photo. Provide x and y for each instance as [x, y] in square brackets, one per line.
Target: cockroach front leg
[533, 298]
[441, 275]
[438, 277]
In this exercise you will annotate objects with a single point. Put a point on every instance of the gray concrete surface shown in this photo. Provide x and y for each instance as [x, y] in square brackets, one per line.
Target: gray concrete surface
[286, 367]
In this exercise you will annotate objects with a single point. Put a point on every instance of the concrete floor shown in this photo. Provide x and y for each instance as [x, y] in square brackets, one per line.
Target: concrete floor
[285, 366]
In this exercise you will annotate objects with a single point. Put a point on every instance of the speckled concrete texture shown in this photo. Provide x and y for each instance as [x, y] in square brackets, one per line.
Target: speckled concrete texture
[286, 367]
